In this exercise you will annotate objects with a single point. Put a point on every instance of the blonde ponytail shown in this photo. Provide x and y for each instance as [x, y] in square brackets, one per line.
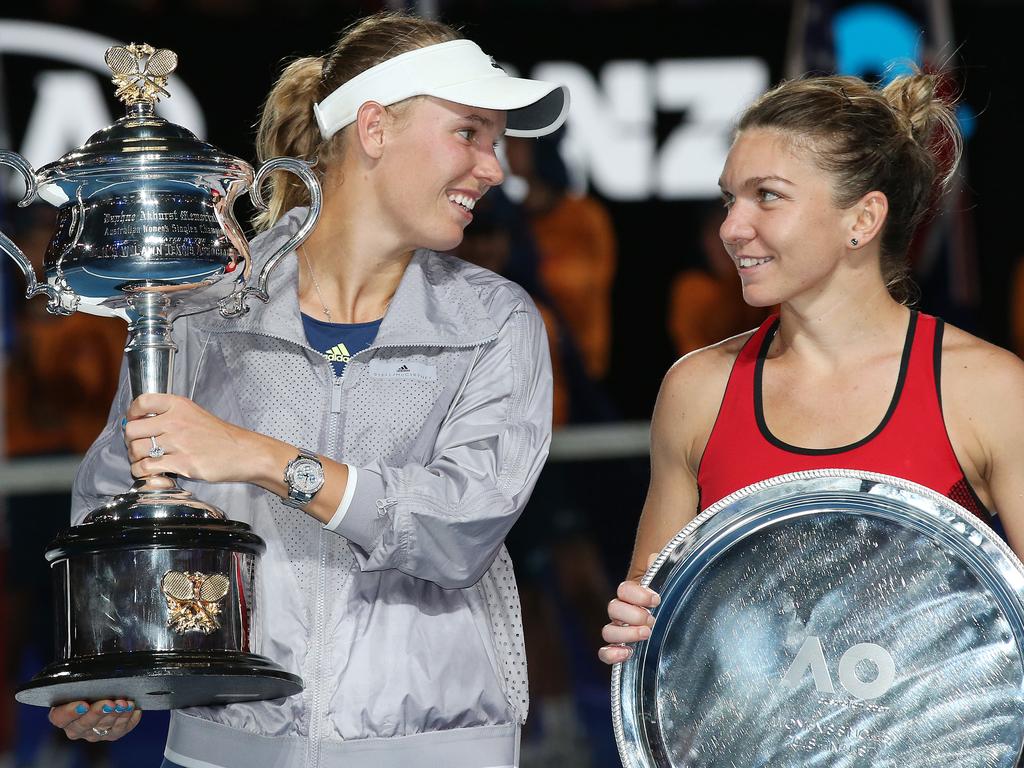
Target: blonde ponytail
[288, 128]
[287, 124]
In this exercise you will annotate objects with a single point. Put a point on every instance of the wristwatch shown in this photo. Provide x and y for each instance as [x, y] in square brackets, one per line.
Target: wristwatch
[304, 477]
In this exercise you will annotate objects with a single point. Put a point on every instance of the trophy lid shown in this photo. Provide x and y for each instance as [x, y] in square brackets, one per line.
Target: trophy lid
[141, 141]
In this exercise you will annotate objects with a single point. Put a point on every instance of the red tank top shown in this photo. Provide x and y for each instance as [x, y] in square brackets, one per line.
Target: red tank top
[911, 441]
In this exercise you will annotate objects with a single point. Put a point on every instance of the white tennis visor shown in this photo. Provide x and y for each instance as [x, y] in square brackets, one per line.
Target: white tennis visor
[455, 71]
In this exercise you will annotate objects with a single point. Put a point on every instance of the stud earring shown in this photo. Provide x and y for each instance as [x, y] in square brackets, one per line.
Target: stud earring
[854, 241]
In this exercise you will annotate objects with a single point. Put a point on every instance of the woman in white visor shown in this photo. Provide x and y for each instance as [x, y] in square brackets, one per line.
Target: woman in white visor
[380, 423]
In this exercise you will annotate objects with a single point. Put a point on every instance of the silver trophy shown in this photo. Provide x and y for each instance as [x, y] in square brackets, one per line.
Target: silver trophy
[155, 589]
[829, 618]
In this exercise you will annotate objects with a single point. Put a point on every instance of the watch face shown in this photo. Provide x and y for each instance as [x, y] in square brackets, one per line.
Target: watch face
[306, 476]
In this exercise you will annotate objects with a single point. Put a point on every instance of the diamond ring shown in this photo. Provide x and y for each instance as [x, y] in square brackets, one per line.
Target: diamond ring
[156, 451]
[100, 731]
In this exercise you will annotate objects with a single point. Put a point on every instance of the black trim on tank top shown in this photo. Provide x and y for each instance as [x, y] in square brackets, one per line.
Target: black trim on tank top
[762, 425]
[940, 328]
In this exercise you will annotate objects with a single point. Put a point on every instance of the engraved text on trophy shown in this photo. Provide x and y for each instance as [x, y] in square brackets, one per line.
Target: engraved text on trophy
[122, 240]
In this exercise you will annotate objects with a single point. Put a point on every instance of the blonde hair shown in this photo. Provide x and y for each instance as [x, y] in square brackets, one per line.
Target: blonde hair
[287, 125]
[902, 140]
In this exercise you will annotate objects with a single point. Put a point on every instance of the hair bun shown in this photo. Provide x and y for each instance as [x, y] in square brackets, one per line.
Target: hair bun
[902, 140]
[917, 100]
[913, 98]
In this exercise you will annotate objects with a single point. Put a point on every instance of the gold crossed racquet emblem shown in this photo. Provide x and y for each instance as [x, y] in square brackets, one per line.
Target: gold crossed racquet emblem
[140, 71]
[192, 600]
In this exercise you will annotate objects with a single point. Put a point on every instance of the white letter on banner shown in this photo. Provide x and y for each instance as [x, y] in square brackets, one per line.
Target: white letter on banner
[712, 92]
[69, 108]
[610, 138]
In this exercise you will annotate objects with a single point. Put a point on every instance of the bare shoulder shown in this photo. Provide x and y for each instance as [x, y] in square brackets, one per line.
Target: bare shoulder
[982, 399]
[978, 370]
[691, 395]
[705, 371]
[983, 404]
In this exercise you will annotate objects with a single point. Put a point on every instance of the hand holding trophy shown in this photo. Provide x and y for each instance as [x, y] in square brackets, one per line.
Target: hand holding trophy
[154, 590]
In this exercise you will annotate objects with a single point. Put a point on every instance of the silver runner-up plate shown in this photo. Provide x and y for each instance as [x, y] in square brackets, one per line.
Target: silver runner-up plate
[833, 619]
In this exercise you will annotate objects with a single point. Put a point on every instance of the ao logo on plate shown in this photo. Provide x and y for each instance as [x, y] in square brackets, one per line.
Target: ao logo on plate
[811, 655]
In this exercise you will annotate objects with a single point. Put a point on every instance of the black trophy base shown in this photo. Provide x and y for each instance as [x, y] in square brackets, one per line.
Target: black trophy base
[161, 679]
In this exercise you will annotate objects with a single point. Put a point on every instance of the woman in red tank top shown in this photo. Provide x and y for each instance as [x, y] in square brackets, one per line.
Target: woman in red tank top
[824, 185]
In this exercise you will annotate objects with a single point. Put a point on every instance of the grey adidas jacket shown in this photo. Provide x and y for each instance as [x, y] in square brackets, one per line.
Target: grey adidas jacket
[405, 627]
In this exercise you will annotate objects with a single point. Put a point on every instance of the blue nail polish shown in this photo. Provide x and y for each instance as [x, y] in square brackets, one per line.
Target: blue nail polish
[119, 708]
[81, 709]
[107, 708]
[124, 422]
[131, 708]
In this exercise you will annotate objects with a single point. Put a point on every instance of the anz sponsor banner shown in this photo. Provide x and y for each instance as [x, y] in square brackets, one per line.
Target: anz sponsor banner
[654, 98]
[611, 147]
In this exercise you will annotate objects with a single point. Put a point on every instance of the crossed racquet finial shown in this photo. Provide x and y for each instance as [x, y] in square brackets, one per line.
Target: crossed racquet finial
[140, 71]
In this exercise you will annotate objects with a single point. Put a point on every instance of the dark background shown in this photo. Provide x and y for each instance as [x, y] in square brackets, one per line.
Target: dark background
[230, 52]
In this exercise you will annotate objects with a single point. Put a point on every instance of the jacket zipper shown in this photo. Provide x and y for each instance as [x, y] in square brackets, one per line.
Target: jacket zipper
[316, 713]
[383, 505]
[313, 741]
[313, 749]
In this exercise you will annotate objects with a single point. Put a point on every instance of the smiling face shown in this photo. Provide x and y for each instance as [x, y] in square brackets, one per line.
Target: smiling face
[782, 230]
[438, 161]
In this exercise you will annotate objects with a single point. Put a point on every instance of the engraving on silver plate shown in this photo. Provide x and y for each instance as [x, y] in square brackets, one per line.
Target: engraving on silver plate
[811, 658]
[831, 618]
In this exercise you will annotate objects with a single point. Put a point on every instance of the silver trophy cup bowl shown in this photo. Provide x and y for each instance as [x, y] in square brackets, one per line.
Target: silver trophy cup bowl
[155, 590]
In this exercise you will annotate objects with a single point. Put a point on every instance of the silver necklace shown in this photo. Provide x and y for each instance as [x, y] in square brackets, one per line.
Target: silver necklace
[316, 285]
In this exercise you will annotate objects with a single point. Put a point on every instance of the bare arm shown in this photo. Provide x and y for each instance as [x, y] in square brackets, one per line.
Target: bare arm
[682, 421]
[1006, 475]
[672, 495]
[983, 405]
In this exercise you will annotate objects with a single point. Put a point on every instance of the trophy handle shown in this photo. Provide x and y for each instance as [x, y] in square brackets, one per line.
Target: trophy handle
[58, 302]
[237, 304]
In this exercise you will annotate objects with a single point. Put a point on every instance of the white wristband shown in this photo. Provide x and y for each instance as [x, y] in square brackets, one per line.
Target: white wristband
[346, 499]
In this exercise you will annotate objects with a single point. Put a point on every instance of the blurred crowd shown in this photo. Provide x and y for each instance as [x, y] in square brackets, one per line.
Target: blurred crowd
[572, 544]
